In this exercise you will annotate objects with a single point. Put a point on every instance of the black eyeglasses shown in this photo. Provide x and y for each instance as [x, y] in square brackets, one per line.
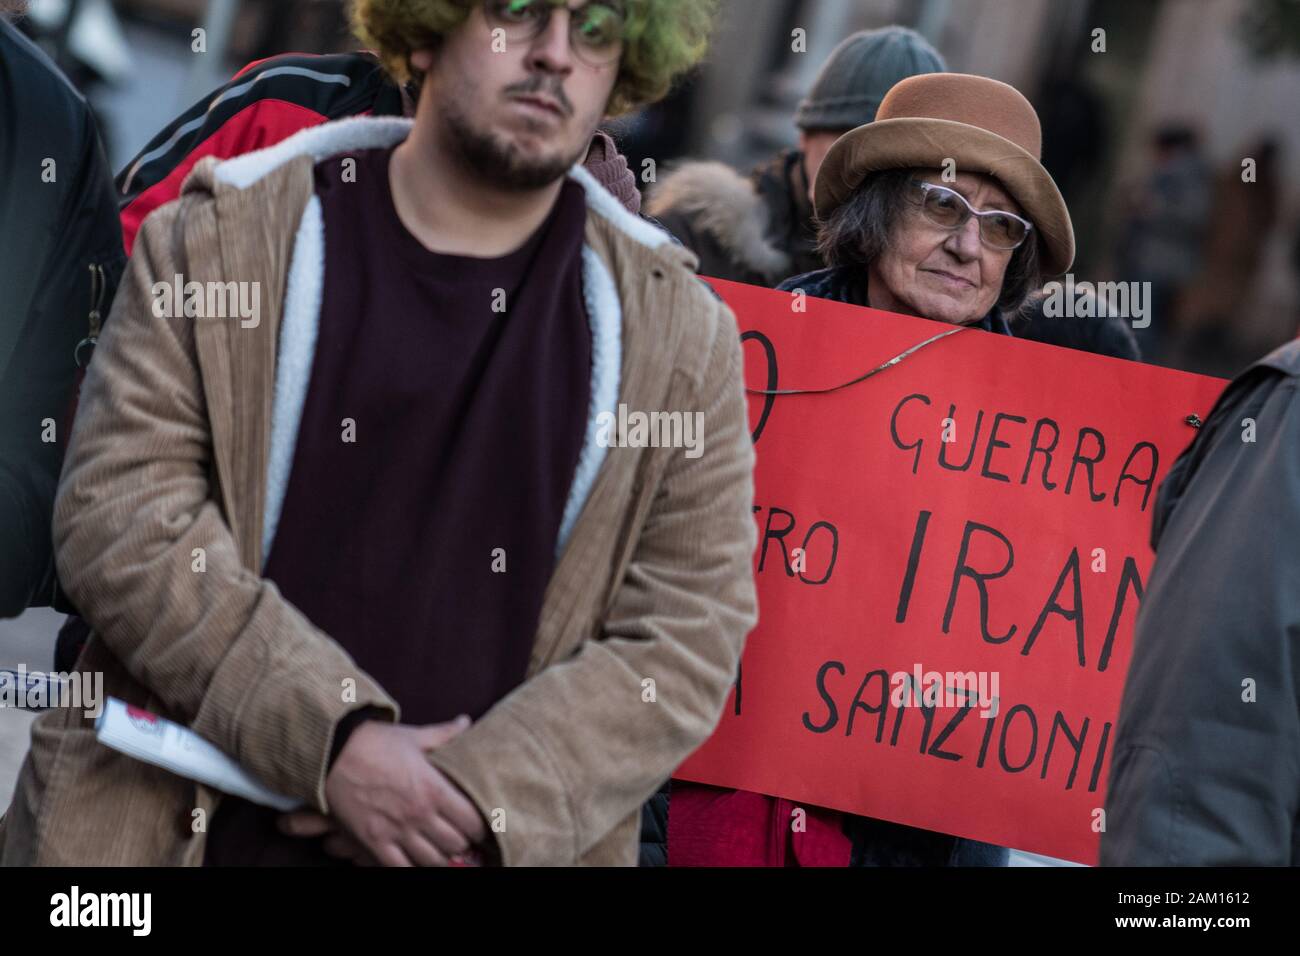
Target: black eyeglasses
[595, 29]
[948, 208]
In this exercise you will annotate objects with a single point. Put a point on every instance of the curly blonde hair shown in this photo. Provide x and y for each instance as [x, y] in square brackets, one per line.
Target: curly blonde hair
[663, 39]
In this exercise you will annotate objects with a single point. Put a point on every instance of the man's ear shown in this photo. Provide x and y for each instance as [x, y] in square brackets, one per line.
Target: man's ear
[418, 65]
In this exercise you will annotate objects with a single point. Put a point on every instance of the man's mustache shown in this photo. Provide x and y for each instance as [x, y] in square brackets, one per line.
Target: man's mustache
[548, 86]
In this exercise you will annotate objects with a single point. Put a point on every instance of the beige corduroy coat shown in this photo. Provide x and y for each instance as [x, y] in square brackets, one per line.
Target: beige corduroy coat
[183, 441]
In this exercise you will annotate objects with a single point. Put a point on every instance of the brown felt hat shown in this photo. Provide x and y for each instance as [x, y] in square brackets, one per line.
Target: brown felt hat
[983, 125]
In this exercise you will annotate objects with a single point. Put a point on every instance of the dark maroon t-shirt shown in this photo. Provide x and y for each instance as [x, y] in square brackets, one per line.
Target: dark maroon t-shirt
[467, 424]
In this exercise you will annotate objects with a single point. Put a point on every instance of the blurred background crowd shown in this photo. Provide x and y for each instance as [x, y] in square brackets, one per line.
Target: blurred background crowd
[1146, 124]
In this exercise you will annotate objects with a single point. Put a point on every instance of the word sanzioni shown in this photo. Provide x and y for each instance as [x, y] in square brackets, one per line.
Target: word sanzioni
[1012, 740]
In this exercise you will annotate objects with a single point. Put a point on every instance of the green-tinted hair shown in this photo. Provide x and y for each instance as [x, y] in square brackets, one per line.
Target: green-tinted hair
[664, 39]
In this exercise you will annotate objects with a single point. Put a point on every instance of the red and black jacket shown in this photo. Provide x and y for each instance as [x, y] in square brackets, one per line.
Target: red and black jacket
[265, 102]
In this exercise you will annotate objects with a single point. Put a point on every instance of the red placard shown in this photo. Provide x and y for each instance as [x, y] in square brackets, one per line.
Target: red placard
[975, 517]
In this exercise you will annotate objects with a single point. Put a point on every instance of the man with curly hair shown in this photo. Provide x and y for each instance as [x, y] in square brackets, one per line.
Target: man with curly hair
[383, 533]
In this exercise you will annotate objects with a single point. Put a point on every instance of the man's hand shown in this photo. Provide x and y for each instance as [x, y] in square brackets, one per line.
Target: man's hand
[392, 802]
[341, 844]
[338, 843]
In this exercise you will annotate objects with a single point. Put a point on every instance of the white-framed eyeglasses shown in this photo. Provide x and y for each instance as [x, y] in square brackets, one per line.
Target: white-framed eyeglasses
[949, 209]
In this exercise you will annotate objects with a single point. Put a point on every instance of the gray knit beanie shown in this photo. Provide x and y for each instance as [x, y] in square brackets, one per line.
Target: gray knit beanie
[859, 73]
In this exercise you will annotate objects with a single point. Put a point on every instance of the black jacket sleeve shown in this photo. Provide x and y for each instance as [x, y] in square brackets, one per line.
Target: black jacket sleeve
[1206, 768]
[58, 219]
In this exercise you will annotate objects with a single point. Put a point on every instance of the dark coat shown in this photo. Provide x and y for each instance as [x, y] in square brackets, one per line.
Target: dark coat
[1205, 773]
[1101, 335]
[757, 230]
[56, 232]
[654, 828]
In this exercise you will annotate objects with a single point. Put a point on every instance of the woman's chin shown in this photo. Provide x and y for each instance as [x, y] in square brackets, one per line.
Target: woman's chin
[944, 309]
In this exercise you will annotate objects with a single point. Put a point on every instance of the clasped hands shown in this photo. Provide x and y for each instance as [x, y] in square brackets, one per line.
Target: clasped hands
[389, 805]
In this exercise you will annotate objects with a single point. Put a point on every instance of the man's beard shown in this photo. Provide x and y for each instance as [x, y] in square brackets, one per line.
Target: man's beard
[499, 161]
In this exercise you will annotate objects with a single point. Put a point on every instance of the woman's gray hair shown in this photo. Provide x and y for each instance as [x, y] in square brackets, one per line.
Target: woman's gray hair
[860, 230]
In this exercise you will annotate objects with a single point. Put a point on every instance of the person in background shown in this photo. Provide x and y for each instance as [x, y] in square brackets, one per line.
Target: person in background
[761, 229]
[1206, 762]
[901, 236]
[1164, 236]
[60, 261]
[1220, 328]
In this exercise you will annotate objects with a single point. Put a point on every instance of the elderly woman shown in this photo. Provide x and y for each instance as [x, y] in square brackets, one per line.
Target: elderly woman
[940, 209]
